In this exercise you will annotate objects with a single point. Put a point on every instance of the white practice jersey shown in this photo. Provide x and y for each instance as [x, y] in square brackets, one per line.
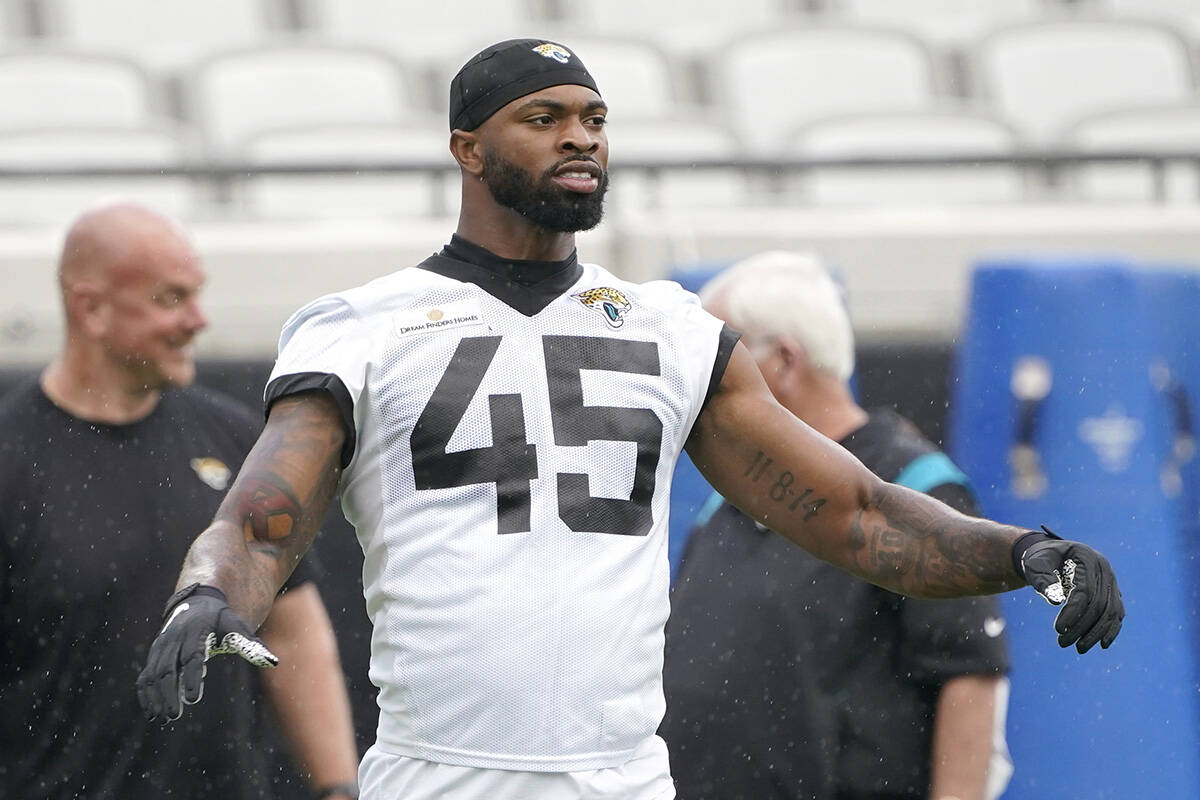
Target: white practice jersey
[508, 479]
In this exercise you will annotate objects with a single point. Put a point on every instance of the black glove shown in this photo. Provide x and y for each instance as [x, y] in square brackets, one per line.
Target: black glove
[198, 624]
[1072, 572]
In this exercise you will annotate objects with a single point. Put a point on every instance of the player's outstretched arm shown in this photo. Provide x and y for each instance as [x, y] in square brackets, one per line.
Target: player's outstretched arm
[790, 478]
[774, 467]
[275, 507]
[235, 568]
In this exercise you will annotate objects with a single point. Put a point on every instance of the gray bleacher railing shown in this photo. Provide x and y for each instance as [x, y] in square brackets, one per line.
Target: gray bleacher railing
[1047, 162]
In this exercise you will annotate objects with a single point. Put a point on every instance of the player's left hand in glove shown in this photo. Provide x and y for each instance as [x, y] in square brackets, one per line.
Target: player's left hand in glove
[1071, 572]
[198, 624]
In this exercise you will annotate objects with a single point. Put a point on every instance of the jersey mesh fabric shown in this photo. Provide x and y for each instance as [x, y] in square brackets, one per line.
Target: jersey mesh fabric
[518, 597]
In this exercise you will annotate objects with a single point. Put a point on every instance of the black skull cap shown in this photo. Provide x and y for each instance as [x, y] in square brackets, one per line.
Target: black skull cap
[502, 72]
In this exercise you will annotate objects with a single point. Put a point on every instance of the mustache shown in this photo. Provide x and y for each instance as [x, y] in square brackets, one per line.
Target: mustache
[582, 157]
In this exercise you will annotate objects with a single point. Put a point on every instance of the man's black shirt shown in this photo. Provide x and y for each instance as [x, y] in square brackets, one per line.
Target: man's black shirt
[95, 521]
[788, 678]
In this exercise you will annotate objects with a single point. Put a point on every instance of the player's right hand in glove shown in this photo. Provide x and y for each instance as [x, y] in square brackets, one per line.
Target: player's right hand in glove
[198, 624]
[1060, 571]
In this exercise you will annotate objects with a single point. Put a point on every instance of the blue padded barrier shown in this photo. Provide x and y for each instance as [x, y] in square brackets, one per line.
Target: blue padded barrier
[1104, 354]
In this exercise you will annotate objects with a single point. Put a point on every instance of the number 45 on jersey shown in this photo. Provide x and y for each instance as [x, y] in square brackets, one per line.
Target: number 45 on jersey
[511, 461]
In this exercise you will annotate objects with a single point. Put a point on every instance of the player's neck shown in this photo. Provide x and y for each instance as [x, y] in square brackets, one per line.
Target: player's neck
[95, 392]
[509, 235]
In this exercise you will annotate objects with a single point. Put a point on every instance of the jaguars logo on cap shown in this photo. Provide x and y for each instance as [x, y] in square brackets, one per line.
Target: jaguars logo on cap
[609, 302]
[554, 51]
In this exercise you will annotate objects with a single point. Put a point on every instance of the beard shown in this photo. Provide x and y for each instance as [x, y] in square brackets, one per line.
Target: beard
[542, 202]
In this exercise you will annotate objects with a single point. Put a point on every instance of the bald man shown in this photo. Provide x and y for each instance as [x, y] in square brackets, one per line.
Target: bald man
[112, 462]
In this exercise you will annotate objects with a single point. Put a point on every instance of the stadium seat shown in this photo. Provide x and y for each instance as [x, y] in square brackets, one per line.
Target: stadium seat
[1185, 12]
[700, 27]
[1168, 129]
[674, 140]
[1043, 77]
[430, 34]
[55, 201]
[920, 134]
[236, 95]
[162, 35]
[943, 22]
[340, 196]
[43, 89]
[16, 24]
[636, 77]
[769, 83]
[8, 23]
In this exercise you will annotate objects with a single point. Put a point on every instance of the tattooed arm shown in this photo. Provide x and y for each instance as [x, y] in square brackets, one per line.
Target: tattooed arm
[793, 480]
[236, 566]
[275, 507]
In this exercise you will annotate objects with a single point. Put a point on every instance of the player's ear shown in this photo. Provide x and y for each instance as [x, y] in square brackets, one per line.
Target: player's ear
[467, 151]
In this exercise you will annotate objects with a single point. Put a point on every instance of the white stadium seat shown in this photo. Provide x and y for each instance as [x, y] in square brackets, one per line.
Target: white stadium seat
[940, 21]
[1185, 12]
[234, 96]
[384, 23]
[677, 140]
[925, 134]
[1043, 77]
[430, 33]
[635, 77]
[766, 84]
[15, 23]
[339, 196]
[44, 89]
[1168, 129]
[162, 35]
[698, 26]
[51, 200]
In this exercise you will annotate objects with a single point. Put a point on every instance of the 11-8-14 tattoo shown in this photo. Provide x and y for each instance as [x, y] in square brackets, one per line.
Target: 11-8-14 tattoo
[781, 487]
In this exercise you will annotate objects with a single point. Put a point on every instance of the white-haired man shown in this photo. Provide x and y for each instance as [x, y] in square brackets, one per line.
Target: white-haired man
[865, 693]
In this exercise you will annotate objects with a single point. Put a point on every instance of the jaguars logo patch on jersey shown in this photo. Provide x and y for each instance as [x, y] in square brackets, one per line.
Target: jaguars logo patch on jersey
[550, 50]
[610, 303]
[213, 472]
